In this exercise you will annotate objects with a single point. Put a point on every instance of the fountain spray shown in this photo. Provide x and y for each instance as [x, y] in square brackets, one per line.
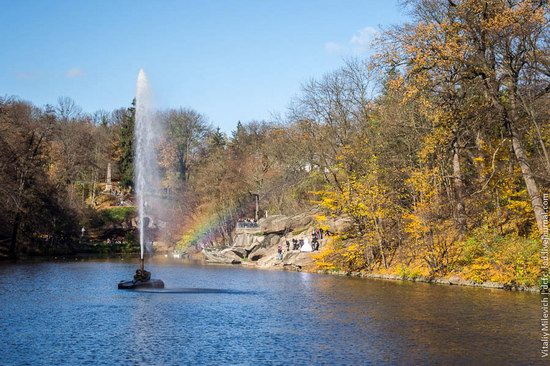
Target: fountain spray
[147, 134]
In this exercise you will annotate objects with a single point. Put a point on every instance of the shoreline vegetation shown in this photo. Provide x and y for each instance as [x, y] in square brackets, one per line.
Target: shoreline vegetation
[258, 248]
[427, 160]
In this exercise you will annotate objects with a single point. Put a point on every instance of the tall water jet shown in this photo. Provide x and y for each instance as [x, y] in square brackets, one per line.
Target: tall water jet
[145, 157]
[147, 135]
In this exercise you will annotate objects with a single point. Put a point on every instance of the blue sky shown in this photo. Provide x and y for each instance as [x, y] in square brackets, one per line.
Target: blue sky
[230, 60]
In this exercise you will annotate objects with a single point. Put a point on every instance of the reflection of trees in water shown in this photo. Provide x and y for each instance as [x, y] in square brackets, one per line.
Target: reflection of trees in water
[436, 321]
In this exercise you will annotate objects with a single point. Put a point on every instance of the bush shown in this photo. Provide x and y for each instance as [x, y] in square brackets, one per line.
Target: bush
[508, 259]
[406, 272]
[117, 214]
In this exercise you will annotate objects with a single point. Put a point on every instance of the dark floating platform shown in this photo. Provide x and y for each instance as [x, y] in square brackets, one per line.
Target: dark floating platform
[133, 284]
[142, 279]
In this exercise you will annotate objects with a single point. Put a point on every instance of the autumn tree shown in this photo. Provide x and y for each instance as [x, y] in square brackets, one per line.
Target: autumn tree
[34, 210]
[465, 57]
[186, 130]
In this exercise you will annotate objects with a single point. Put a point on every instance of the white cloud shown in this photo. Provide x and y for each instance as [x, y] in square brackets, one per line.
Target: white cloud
[74, 73]
[359, 43]
[362, 40]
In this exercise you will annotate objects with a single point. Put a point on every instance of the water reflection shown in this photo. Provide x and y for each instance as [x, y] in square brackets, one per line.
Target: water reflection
[191, 290]
[72, 313]
[438, 322]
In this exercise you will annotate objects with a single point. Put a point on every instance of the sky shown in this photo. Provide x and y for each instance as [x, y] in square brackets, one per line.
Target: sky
[231, 60]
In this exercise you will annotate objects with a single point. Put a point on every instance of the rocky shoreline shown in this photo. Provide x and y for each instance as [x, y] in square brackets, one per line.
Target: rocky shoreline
[304, 262]
[452, 281]
[257, 248]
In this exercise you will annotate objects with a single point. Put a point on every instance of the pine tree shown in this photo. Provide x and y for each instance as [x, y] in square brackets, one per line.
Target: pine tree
[217, 140]
[126, 161]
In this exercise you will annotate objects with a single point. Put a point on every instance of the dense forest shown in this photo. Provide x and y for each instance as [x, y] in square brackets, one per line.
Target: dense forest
[436, 148]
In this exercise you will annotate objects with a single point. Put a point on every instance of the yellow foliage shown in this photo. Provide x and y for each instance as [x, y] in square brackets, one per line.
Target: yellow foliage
[510, 259]
[479, 270]
[321, 221]
[354, 257]
[407, 272]
[338, 255]
[324, 259]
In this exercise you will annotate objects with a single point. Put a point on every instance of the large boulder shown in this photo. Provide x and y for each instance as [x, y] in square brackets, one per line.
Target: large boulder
[268, 241]
[254, 244]
[244, 240]
[270, 258]
[274, 240]
[339, 225]
[240, 252]
[279, 224]
[273, 224]
[300, 221]
[230, 254]
[258, 254]
[222, 258]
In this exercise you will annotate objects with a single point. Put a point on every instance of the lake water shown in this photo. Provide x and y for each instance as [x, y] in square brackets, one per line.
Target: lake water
[72, 313]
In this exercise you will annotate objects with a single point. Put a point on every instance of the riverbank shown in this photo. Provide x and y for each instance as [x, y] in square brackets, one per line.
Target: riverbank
[257, 247]
[297, 262]
[450, 280]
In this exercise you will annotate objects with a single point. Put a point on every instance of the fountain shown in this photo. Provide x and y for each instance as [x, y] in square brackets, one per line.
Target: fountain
[147, 178]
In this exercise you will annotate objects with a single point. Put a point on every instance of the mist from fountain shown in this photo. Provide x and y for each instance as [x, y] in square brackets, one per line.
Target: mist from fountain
[147, 133]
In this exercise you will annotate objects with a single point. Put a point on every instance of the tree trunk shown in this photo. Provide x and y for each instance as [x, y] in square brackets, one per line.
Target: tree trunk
[94, 176]
[509, 117]
[182, 168]
[458, 189]
[377, 225]
[521, 157]
[531, 114]
[528, 178]
[257, 201]
[14, 232]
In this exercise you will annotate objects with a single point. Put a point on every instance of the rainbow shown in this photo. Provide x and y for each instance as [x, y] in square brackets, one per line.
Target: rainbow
[204, 228]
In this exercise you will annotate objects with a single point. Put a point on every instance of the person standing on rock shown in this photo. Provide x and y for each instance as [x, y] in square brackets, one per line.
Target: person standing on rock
[280, 252]
[314, 242]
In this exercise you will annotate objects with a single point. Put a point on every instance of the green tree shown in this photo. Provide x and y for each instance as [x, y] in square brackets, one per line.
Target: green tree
[126, 145]
[217, 140]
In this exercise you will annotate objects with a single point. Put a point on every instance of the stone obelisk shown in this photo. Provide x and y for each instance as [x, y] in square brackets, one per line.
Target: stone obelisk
[108, 183]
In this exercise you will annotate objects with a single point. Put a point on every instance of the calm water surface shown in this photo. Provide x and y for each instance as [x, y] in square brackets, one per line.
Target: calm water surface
[71, 313]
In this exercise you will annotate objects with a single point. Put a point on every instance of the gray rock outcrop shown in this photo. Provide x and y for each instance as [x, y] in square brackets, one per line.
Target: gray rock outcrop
[259, 246]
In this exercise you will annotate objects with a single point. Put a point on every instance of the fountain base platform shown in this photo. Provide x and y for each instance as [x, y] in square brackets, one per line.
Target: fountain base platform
[133, 284]
[142, 279]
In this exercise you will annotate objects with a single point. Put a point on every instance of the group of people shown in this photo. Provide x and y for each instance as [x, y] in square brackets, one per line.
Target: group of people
[297, 244]
[247, 223]
[300, 244]
[319, 233]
